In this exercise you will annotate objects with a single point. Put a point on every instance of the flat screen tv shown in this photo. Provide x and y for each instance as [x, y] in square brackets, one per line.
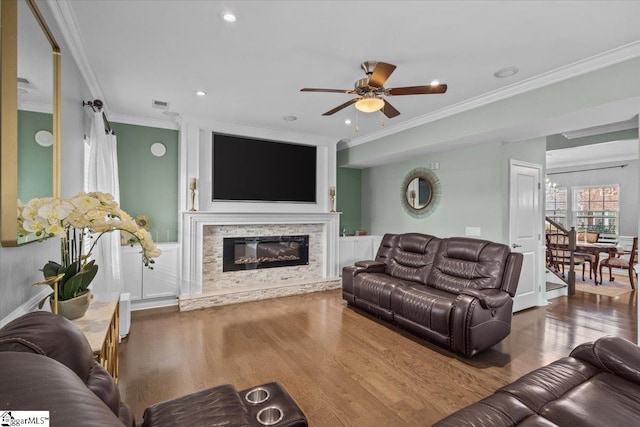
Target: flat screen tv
[246, 169]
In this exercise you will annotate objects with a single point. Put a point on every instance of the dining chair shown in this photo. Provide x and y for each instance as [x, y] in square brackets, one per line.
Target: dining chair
[558, 254]
[592, 236]
[616, 260]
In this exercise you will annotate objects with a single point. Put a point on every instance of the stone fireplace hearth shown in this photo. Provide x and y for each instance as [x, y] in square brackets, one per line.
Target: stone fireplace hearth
[205, 282]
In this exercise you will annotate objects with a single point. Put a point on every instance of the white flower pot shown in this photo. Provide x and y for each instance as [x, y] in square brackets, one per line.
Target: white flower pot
[75, 307]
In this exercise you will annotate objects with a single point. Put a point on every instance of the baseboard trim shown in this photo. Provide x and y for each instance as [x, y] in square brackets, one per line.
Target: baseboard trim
[157, 303]
[27, 307]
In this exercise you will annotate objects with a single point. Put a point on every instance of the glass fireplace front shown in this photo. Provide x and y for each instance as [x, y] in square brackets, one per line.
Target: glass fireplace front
[251, 253]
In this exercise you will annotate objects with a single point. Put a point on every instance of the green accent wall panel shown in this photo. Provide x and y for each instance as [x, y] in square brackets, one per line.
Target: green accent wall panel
[149, 184]
[35, 162]
[348, 198]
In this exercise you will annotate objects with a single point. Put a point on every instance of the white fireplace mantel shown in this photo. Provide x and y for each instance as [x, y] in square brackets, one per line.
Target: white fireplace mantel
[193, 224]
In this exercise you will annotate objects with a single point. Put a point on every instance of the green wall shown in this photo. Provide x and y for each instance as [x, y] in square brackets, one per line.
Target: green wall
[348, 198]
[35, 163]
[149, 184]
[474, 186]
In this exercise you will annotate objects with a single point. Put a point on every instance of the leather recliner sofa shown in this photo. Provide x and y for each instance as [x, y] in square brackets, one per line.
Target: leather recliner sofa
[46, 364]
[597, 385]
[455, 292]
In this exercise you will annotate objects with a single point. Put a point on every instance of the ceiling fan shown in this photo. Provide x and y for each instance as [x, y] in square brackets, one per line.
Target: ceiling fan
[370, 90]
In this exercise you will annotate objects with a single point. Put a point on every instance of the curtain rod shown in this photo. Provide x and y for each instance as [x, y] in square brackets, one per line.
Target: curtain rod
[96, 105]
[592, 169]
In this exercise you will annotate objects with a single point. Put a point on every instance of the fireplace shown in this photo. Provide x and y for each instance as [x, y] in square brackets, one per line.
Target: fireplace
[251, 253]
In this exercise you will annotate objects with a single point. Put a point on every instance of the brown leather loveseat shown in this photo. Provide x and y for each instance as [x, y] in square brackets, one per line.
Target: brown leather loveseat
[455, 292]
[46, 364]
[598, 385]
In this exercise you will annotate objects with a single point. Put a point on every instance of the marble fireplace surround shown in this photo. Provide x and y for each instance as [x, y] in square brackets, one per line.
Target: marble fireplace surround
[204, 284]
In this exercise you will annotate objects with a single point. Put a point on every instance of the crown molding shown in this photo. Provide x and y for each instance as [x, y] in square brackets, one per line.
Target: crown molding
[144, 121]
[593, 63]
[68, 25]
[36, 107]
[269, 133]
[598, 130]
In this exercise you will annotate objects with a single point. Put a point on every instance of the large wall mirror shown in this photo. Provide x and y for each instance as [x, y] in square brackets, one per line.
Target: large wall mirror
[420, 192]
[30, 109]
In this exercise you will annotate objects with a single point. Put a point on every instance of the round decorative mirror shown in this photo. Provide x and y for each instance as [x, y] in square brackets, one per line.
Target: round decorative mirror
[420, 192]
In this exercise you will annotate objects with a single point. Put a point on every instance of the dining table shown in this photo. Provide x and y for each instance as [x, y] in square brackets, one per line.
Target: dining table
[595, 249]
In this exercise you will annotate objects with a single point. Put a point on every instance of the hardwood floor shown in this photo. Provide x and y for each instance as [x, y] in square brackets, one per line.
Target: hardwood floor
[344, 368]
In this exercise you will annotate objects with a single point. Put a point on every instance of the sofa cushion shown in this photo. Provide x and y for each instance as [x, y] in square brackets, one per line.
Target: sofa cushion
[550, 382]
[387, 245]
[424, 306]
[413, 258]
[604, 400]
[468, 263]
[612, 354]
[38, 383]
[41, 332]
[375, 288]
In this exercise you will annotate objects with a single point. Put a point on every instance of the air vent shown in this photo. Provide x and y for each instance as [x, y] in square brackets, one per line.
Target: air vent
[160, 105]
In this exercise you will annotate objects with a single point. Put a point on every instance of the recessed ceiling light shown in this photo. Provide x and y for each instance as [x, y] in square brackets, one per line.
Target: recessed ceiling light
[435, 83]
[347, 122]
[228, 17]
[290, 118]
[171, 114]
[201, 93]
[506, 72]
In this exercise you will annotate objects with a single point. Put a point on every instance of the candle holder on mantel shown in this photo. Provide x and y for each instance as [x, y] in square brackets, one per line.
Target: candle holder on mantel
[192, 188]
[332, 198]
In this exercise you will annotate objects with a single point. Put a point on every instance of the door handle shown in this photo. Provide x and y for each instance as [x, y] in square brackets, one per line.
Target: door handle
[513, 245]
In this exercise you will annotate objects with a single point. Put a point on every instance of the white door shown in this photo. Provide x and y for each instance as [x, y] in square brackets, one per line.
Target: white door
[525, 230]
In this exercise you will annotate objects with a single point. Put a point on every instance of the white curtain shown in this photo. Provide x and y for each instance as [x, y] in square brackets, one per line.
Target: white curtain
[102, 175]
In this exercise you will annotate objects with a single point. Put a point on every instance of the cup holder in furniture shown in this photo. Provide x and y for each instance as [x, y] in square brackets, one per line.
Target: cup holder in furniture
[270, 415]
[257, 395]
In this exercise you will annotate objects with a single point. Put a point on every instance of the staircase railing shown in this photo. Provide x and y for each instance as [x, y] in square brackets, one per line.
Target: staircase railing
[553, 248]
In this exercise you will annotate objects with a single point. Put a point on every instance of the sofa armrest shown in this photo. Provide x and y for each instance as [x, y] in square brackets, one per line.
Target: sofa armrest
[489, 298]
[371, 266]
[511, 274]
[612, 354]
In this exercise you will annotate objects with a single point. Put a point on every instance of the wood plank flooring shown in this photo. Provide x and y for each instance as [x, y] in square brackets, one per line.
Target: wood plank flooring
[344, 368]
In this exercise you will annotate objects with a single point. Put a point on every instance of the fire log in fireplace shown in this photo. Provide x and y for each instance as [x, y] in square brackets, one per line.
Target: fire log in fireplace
[250, 253]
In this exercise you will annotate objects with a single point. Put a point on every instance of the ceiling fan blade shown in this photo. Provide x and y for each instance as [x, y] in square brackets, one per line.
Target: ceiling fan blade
[417, 90]
[380, 74]
[389, 110]
[340, 107]
[311, 89]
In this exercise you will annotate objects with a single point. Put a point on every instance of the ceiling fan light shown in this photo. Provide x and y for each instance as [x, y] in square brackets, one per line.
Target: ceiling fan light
[369, 105]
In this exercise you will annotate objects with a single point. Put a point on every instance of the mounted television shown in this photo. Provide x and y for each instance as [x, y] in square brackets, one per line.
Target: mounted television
[246, 169]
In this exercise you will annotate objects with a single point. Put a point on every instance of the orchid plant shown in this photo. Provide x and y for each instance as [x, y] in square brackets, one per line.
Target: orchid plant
[79, 222]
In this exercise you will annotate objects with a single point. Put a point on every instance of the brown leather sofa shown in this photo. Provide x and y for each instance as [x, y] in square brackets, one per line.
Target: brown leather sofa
[597, 385]
[456, 292]
[46, 364]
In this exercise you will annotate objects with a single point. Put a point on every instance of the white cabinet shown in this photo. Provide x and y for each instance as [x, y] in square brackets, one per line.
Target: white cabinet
[143, 283]
[357, 248]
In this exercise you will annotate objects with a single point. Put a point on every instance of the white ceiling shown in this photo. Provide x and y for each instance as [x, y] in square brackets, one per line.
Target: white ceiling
[253, 69]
